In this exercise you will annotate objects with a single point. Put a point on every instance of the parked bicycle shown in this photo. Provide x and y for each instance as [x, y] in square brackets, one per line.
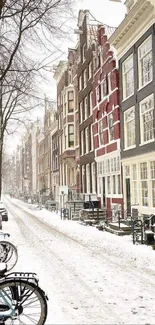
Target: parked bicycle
[22, 301]
[8, 252]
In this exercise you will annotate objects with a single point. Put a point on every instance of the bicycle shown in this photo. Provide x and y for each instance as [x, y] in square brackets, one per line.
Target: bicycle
[8, 252]
[22, 301]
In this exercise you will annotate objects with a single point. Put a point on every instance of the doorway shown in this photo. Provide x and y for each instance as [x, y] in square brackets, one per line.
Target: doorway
[128, 195]
[103, 192]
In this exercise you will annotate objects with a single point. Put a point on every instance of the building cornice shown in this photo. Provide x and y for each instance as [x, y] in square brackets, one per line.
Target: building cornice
[59, 70]
[133, 24]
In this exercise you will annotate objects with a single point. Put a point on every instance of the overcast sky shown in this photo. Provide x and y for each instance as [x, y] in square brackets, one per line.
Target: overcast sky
[105, 11]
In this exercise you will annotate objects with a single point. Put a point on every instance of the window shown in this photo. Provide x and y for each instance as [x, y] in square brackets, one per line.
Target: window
[118, 164]
[82, 142]
[70, 101]
[90, 69]
[83, 52]
[108, 166]
[129, 128]
[115, 165]
[111, 127]
[70, 79]
[84, 78]
[83, 178]
[104, 86]
[87, 139]
[99, 185]
[144, 184]
[85, 108]
[65, 103]
[152, 176]
[70, 136]
[108, 185]
[145, 62]
[147, 119]
[88, 178]
[100, 130]
[114, 184]
[80, 83]
[93, 177]
[135, 192]
[112, 165]
[98, 93]
[81, 112]
[90, 103]
[128, 78]
[91, 138]
[127, 171]
[97, 61]
[65, 137]
[119, 184]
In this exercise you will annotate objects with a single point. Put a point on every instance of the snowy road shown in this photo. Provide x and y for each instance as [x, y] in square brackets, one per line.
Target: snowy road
[86, 284]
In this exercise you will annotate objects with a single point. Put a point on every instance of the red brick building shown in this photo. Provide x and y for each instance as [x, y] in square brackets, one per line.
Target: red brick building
[106, 125]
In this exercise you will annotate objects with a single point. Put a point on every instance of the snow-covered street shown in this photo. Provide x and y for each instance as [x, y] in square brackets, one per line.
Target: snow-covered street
[91, 277]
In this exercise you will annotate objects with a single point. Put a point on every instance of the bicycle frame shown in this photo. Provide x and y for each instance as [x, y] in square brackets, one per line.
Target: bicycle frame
[7, 302]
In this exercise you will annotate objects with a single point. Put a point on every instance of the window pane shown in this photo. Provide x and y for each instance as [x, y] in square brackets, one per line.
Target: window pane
[147, 119]
[145, 62]
[129, 127]
[128, 77]
[144, 192]
[114, 184]
[111, 127]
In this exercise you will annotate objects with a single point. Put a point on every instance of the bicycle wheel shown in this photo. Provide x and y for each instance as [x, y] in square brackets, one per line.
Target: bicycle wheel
[8, 254]
[27, 299]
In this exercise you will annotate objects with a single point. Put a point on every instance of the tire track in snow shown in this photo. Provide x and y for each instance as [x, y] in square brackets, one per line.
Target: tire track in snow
[91, 306]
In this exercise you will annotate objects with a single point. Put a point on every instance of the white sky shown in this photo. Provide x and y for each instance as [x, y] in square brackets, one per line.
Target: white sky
[91, 276]
[105, 11]
[108, 12]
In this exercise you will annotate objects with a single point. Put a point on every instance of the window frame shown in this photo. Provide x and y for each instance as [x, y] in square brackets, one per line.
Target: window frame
[70, 134]
[100, 133]
[142, 135]
[70, 110]
[126, 130]
[141, 84]
[111, 127]
[127, 73]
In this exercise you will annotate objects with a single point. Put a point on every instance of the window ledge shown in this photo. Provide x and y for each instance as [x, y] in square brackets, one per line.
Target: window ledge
[129, 148]
[141, 87]
[147, 142]
[123, 100]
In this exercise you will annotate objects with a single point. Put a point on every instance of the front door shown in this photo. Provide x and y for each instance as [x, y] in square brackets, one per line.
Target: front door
[128, 195]
[103, 191]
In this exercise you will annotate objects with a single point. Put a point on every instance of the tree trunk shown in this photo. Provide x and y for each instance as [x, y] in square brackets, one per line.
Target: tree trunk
[1, 154]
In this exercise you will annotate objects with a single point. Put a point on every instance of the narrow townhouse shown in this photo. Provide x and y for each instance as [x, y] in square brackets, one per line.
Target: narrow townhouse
[54, 158]
[40, 164]
[106, 125]
[87, 39]
[134, 40]
[66, 105]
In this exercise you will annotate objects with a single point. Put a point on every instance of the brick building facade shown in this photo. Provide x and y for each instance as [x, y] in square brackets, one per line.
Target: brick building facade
[106, 125]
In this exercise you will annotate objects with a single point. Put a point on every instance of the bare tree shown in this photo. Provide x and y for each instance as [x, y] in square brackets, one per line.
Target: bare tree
[28, 33]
